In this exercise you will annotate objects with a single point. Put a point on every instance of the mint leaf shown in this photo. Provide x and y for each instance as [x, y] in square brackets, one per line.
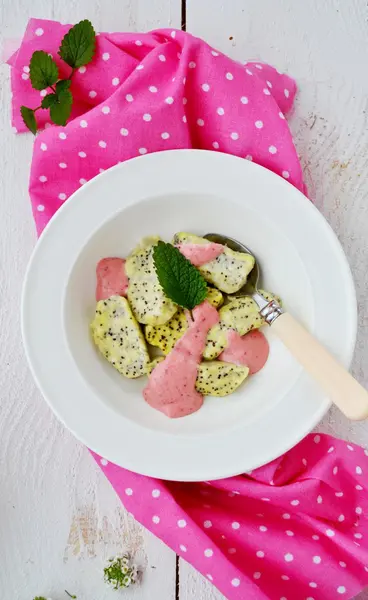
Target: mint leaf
[63, 84]
[43, 70]
[179, 279]
[29, 118]
[49, 100]
[78, 45]
[61, 109]
[61, 100]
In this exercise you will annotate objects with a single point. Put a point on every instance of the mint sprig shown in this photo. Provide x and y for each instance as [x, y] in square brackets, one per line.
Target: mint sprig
[29, 119]
[43, 71]
[78, 45]
[179, 279]
[61, 109]
[77, 49]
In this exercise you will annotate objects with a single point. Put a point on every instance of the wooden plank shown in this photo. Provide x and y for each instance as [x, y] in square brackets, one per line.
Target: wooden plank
[59, 516]
[323, 45]
[193, 586]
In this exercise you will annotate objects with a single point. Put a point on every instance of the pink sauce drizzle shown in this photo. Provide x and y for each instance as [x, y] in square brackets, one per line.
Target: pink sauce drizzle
[199, 254]
[111, 278]
[250, 350]
[171, 386]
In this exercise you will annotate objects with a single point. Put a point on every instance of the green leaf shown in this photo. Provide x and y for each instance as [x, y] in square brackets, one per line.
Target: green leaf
[78, 45]
[63, 84]
[60, 111]
[49, 100]
[29, 118]
[43, 70]
[39, 598]
[179, 279]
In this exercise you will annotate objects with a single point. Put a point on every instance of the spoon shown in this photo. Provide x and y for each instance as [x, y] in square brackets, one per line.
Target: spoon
[339, 385]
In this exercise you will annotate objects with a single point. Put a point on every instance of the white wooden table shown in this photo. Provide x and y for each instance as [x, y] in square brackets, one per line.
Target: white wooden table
[59, 518]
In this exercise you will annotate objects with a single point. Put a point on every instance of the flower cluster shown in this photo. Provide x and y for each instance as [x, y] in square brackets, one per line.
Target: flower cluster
[121, 572]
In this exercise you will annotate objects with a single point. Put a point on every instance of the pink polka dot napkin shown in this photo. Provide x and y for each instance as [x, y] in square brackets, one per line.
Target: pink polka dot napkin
[297, 528]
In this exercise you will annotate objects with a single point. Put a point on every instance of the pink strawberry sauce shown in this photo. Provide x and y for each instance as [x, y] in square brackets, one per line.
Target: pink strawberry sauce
[171, 387]
[200, 254]
[111, 278]
[250, 350]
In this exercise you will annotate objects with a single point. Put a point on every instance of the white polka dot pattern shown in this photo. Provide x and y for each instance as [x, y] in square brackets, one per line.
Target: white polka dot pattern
[288, 557]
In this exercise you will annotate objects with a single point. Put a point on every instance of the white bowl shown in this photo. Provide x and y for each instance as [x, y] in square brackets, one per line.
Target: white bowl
[163, 193]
